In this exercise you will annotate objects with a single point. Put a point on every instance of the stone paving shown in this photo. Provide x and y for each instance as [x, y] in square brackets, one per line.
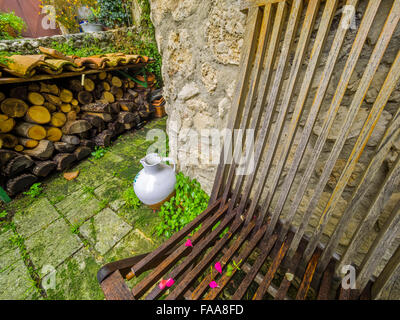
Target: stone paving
[53, 245]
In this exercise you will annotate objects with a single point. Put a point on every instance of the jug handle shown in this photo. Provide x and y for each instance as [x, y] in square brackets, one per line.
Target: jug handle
[165, 159]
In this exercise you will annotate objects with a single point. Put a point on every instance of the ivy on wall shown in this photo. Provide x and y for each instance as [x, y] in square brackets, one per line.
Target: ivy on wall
[115, 13]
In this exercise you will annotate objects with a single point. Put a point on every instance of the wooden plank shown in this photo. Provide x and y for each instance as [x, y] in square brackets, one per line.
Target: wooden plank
[366, 131]
[261, 98]
[307, 130]
[391, 182]
[254, 81]
[246, 282]
[248, 249]
[384, 240]
[115, 288]
[324, 289]
[246, 62]
[351, 62]
[196, 252]
[290, 272]
[294, 17]
[389, 275]
[290, 133]
[383, 96]
[205, 263]
[269, 276]
[308, 275]
[69, 74]
[165, 265]
[246, 4]
[203, 286]
[141, 266]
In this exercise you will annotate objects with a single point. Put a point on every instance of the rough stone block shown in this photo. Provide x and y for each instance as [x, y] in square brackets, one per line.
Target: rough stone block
[105, 230]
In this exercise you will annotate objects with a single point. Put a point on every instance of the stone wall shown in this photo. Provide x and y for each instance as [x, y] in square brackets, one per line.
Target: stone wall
[103, 39]
[200, 42]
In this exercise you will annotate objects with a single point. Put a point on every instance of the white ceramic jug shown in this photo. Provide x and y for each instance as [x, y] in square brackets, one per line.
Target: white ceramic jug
[155, 183]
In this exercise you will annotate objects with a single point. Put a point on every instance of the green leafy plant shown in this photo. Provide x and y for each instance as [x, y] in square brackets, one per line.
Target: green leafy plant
[3, 214]
[130, 198]
[34, 191]
[114, 14]
[11, 26]
[99, 152]
[95, 15]
[189, 201]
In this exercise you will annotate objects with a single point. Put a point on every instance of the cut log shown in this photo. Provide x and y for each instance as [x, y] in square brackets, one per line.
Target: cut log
[28, 143]
[102, 75]
[103, 139]
[20, 183]
[58, 119]
[98, 92]
[49, 106]
[43, 168]
[36, 98]
[75, 85]
[116, 128]
[54, 90]
[44, 88]
[70, 139]
[84, 143]
[74, 102]
[19, 148]
[117, 92]
[108, 96]
[106, 86]
[2, 96]
[6, 123]
[85, 97]
[64, 160]
[7, 155]
[116, 82]
[38, 114]
[53, 99]
[130, 126]
[105, 116]
[64, 147]
[14, 108]
[126, 117]
[115, 108]
[77, 109]
[17, 165]
[77, 126]
[71, 116]
[9, 140]
[34, 87]
[94, 121]
[43, 151]
[65, 107]
[66, 96]
[98, 106]
[89, 85]
[127, 106]
[30, 130]
[19, 93]
[82, 152]
[54, 134]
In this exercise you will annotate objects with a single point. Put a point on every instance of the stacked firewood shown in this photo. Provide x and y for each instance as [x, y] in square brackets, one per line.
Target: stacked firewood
[47, 126]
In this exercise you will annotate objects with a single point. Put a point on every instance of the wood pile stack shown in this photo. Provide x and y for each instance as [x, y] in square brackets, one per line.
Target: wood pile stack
[47, 126]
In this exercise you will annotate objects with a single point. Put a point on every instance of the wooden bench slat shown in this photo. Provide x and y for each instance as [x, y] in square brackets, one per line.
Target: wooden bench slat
[290, 133]
[366, 131]
[246, 62]
[115, 288]
[247, 250]
[330, 115]
[326, 282]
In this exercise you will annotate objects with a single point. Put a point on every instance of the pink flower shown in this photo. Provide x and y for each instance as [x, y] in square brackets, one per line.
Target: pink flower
[170, 282]
[188, 243]
[218, 267]
[162, 284]
[213, 284]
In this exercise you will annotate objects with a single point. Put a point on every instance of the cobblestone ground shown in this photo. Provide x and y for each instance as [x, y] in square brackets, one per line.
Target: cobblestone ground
[56, 243]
